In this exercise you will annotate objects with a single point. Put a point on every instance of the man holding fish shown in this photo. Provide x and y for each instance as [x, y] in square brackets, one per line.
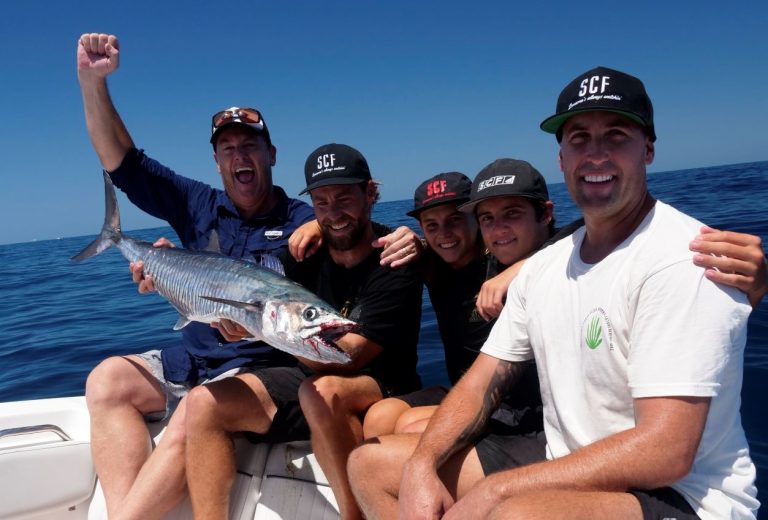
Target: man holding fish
[251, 218]
[347, 273]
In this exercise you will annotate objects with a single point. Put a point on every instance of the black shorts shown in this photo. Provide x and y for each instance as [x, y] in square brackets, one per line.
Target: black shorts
[289, 423]
[430, 396]
[663, 503]
[499, 451]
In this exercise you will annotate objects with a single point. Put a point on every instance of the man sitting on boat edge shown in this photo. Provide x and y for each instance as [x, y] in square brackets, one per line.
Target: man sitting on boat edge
[504, 213]
[346, 272]
[251, 216]
[640, 356]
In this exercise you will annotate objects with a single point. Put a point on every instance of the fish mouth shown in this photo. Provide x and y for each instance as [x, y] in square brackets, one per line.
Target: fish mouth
[329, 334]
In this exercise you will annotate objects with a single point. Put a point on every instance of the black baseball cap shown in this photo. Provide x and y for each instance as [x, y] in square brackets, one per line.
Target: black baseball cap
[250, 118]
[441, 189]
[335, 164]
[504, 178]
[603, 89]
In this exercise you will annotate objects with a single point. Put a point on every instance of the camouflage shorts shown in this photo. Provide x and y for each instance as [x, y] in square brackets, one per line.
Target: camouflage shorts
[174, 392]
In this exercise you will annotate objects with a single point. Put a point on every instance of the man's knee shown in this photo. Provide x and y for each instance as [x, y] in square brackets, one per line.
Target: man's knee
[359, 460]
[175, 433]
[381, 417]
[230, 404]
[318, 392]
[373, 469]
[202, 408]
[117, 380]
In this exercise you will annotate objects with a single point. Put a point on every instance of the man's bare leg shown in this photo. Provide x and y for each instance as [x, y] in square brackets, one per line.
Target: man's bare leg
[333, 406]
[381, 418]
[375, 470]
[214, 412]
[415, 420]
[119, 392]
[161, 483]
[569, 505]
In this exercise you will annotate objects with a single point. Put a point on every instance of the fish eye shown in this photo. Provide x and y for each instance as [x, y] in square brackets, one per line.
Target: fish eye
[310, 313]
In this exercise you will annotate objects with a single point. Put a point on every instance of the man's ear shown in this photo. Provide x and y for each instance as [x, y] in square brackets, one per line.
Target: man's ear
[650, 151]
[549, 211]
[272, 155]
[216, 160]
[370, 191]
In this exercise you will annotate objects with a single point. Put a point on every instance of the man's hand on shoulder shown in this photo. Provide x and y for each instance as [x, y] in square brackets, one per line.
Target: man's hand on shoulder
[98, 55]
[735, 259]
[401, 247]
[493, 292]
[305, 240]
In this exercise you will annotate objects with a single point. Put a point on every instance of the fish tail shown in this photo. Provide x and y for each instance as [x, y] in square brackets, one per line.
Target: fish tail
[110, 231]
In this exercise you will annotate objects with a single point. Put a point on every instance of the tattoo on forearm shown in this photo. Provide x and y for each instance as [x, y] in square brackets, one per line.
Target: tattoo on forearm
[505, 375]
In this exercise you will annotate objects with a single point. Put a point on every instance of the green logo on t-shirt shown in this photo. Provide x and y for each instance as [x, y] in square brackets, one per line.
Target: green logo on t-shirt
[594, 333]
[596, 330]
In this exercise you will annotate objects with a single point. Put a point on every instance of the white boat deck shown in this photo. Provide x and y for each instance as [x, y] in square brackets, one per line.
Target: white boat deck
[46, 471]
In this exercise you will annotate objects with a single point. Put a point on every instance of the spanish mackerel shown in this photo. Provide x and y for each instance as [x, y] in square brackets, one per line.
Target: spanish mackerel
[208, 286]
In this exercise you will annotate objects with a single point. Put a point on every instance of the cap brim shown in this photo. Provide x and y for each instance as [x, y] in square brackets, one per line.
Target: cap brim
[553, 123]
[216, 133]
[415, 212]
[469, 207]
[329, 182]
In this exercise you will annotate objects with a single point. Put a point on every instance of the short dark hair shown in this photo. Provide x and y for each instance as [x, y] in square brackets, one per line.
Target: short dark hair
[540, 210]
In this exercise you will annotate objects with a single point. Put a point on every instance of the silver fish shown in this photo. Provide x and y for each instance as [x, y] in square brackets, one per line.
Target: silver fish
[208, 286]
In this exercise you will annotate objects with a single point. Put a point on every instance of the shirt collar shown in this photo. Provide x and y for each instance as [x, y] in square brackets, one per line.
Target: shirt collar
[225, 207]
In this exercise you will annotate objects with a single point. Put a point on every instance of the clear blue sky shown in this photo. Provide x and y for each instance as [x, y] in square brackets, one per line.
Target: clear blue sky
[419, 87]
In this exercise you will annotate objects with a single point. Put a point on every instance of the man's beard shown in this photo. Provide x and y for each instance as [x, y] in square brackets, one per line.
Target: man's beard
[355, 233]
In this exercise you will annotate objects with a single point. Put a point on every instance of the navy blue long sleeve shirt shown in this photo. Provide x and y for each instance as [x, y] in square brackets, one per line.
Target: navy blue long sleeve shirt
[193, 209]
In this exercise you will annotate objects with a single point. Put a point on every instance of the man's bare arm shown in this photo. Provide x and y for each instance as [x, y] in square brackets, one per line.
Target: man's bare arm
[658, 451]
[493, 292]
[98, 56]
[305, 240]
[462, 415]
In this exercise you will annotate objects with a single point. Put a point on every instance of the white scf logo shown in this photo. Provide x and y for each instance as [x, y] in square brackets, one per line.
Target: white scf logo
[326, 160]
[594, 85]
[493, 181]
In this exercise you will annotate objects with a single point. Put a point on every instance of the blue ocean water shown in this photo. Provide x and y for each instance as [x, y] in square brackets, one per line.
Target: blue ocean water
[61, 318]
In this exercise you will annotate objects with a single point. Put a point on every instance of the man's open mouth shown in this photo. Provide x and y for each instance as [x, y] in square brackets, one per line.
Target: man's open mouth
[245, 175]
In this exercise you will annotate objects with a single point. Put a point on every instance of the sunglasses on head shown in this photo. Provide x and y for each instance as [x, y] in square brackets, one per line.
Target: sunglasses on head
[249, 116]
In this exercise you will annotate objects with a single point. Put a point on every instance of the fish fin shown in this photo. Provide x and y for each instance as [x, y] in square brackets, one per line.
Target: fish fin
[249, 306]
[213, 243]
[272, 263]
[110, 231]
[183, 322]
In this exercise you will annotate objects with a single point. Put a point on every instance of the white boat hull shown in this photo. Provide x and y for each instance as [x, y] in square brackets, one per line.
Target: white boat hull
[46, 470]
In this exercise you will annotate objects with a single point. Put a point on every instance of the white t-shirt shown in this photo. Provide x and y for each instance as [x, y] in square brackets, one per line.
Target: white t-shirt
[643, 322]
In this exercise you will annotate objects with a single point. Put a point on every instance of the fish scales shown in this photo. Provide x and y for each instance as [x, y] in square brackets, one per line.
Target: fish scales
[181, 277]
